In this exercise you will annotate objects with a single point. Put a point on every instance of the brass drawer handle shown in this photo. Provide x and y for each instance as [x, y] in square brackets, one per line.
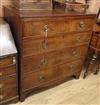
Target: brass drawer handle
[45, 28]
[43, 61]
[1, 97]
[78, 39]
[14, 60]
[45, 45]
[1, 74]
[1, 86]
[45, 42]
[82, 24]
[72, 66]
[75, 54]
[41, 77]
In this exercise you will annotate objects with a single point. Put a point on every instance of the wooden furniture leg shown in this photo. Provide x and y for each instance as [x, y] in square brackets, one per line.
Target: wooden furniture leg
[98, 67]
[90, 65]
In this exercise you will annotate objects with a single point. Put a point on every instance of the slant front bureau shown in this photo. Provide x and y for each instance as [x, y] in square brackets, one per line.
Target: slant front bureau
[52, 46]
[8, 65]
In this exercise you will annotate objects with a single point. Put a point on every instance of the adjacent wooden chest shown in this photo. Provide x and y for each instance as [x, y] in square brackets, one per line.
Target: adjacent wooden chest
[52, 46]
[8, 79]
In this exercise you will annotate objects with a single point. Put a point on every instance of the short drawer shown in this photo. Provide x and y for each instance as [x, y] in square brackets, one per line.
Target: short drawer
[7, 94]
[33, 46]
[81, 25]
[42, 77]
[54, 27]
[43, 60]
[8, 82]
[6, 61]
[7, 71]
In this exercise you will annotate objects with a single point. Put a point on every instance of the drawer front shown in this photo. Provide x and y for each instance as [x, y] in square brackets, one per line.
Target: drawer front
[6, 61]
[6, 94]
[38, 28]
[82, 25]
[7, 71]
[34, 46]
[44, 60]
[42, 77]
[8, 82]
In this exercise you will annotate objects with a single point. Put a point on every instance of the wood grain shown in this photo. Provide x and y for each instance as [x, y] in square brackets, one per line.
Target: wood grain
[34, 48]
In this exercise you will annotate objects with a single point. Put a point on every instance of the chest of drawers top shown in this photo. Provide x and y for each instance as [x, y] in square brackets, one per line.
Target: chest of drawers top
[59, 12]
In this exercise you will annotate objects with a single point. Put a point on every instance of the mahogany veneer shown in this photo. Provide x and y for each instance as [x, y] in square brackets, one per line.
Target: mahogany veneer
[8, 79]
[52, 45]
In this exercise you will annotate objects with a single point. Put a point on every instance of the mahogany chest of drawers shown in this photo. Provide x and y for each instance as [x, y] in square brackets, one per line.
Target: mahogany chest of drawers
[52, 46]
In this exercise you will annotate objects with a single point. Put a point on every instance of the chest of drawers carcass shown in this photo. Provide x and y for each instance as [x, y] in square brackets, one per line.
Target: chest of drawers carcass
[52, 46]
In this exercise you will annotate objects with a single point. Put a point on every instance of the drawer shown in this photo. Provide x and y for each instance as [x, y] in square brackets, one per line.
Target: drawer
[33, 46]
[41, 77]
[44, 60]
[6, 71]
[6, 94]
[81, 25]
[38, 28]
[71, 68]
[8, 82]
[6, 61]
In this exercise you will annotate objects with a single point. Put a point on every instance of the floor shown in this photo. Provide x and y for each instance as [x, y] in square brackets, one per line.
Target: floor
[74, 92]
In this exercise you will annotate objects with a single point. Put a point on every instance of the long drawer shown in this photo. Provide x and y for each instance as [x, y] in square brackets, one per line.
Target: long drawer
[39, 78]
[56, 26]
[33, 46]
[43, 60]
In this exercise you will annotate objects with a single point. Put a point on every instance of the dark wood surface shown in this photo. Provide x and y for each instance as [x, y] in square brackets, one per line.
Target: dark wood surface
[94, 51]
[50, 74]
[52, 45]
[8, 79]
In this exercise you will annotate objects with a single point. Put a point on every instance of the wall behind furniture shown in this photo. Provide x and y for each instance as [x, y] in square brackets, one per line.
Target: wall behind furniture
[94, 5]
[4, 2]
